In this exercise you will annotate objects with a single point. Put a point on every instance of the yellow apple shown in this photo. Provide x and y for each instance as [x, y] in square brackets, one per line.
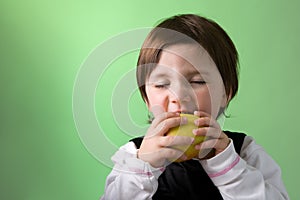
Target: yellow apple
[186, 130]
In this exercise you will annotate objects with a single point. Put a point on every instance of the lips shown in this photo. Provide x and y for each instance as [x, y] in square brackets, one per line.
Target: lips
[184, 112]
[184, 109]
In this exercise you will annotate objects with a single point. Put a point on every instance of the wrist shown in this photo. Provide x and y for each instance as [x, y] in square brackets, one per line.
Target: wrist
[221, 161]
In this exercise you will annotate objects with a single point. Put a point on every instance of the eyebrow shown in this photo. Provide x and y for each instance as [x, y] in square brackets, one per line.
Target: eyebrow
[202, 73]
[160, 75]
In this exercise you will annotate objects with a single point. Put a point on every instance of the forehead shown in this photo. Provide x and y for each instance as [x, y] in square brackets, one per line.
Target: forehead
[185, 59]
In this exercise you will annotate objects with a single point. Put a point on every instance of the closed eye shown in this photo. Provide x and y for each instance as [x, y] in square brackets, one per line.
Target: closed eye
[161, 85]
[198, 82]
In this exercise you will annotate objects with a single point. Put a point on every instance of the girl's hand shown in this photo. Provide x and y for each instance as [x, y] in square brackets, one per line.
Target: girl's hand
[156, 148]
[216, 139]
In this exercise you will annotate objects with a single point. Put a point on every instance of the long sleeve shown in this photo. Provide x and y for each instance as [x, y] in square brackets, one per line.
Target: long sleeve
[131, 178]
[253, 175]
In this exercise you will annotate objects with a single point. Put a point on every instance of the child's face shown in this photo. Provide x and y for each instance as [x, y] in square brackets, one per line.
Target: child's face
[185, 80]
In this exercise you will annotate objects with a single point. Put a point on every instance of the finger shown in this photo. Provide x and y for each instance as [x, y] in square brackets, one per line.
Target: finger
[168, 141]
[165, 125]
[217, 144]
[202, 114]
[173, 154]
[163, 116]
[206, 121]
[209, 132]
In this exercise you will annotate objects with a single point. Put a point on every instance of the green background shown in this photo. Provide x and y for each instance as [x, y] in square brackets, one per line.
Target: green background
[44, 43]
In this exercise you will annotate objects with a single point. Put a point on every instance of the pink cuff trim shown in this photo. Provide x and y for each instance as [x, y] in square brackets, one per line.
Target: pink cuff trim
[141, 172]
[224, 171]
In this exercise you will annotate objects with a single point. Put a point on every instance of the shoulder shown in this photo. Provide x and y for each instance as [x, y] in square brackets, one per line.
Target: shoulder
[246, 144]
[250, 147]
[256, 156]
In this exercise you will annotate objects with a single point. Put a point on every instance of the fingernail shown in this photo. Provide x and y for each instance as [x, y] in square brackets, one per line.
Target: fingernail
[196, 122]
[195, 131]
[192, 140]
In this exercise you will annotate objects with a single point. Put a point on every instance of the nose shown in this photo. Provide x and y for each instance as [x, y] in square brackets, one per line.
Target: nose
[180, 95]
[180, 98]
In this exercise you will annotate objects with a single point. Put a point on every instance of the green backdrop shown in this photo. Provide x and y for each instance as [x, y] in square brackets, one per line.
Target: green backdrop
[44, 44]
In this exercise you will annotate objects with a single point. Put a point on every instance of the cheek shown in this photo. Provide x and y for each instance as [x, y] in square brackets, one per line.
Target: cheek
[204, 101]
[209, 100]
[155, 99]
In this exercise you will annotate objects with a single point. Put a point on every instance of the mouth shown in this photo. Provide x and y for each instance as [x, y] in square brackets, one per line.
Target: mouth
[184, 112]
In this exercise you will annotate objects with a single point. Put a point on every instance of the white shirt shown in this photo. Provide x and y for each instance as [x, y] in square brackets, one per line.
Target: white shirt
[252, 175]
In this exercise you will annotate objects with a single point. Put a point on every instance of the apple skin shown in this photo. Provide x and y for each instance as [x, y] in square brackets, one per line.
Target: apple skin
[186, 130]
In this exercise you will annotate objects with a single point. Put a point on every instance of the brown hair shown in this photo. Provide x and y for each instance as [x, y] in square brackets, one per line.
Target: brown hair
[186, 29]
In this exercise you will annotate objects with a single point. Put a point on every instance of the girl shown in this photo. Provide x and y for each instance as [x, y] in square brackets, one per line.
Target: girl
[188, 64]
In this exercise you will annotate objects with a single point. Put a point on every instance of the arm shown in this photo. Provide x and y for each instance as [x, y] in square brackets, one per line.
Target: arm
[136, 172]
[131, 178]
[253, 175]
